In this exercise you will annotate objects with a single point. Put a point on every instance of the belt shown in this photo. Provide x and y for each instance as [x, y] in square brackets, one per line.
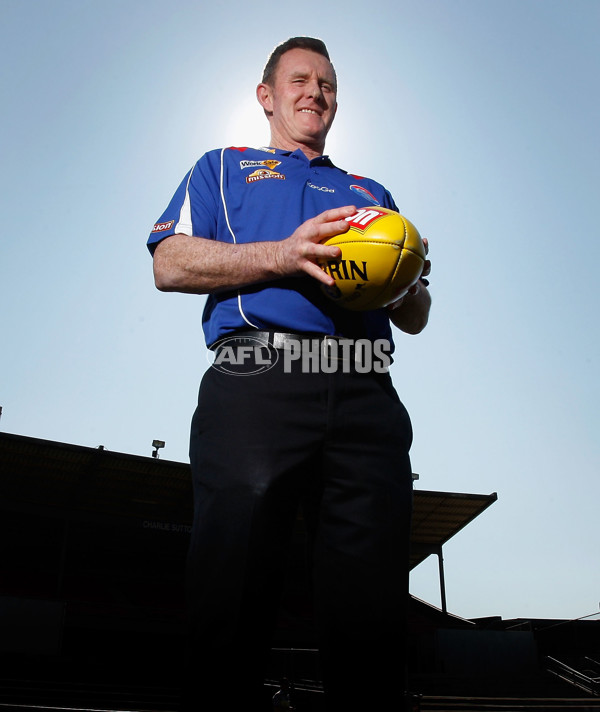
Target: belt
[284, 339]
[331, 347]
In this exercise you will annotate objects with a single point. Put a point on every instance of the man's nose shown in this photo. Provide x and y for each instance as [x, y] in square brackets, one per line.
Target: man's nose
[314, 90]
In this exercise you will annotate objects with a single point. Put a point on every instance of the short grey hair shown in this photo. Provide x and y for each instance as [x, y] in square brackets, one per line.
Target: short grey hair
[309, 43]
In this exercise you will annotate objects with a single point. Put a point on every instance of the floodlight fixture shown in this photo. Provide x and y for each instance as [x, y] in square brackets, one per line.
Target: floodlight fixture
[157, 445]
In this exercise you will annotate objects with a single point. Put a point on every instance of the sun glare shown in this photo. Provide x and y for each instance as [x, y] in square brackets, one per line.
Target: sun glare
[247, 125]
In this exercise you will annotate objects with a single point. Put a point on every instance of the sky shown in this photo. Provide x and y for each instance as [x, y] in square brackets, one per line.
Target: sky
[480, 116]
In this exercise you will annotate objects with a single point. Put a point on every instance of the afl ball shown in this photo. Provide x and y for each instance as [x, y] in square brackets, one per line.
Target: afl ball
[382, 257]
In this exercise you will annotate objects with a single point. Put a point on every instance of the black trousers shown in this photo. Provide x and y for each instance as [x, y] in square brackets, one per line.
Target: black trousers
[261, 444]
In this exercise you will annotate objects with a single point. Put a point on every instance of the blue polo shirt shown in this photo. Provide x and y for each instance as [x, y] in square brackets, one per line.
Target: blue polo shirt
[241, 195]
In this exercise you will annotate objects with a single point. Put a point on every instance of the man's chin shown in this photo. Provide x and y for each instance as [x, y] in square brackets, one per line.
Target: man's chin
[313, 135]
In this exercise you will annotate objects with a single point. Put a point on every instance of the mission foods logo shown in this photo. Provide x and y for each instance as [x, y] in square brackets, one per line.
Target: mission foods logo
[263, 173]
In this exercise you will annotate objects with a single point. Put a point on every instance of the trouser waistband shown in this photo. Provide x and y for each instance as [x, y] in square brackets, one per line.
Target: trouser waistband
[285, 339]
[361, 353]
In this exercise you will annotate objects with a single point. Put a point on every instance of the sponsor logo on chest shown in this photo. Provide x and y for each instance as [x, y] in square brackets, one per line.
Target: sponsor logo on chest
[263, 174]
[269, 163]
[321, 188]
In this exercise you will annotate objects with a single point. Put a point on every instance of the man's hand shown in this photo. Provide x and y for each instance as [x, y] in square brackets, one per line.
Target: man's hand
[300, 251]
[410, 313]
[422, 282]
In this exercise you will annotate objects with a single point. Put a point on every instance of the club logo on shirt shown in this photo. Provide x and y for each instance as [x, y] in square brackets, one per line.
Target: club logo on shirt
[270, 163]
[263, 173]
[363, 192]
[160, 227]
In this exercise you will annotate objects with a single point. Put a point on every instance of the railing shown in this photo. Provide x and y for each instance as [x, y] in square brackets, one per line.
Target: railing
[46, 695]
[506, 704]
[298, 665]
[594, 665]
[574, 677]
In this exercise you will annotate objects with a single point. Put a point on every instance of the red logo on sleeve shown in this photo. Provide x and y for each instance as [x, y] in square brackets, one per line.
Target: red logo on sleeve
[160, 227]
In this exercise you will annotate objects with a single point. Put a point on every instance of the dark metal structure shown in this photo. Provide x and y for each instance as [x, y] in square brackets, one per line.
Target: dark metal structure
[74, 486]
[92, 561]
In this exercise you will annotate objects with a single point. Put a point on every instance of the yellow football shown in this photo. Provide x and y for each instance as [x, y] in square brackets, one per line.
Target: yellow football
[382, 257]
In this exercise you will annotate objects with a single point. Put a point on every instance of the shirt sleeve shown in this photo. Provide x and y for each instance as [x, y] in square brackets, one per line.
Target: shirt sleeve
[389, 202]
[193, 209]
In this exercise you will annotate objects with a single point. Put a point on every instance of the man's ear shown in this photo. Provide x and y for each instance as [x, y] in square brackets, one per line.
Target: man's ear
[264, 95]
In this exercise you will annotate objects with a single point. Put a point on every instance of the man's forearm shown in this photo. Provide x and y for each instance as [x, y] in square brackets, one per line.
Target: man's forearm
[199, 266]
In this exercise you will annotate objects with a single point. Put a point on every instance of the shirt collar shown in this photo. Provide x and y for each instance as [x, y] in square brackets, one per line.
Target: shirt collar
[299, 155]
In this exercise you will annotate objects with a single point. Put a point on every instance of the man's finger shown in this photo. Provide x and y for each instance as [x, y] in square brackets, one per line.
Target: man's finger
[319, 274]
[333, 214]
[330, 229]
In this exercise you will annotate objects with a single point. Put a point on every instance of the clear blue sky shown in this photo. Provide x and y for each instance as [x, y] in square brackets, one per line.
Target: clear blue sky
[481, 117]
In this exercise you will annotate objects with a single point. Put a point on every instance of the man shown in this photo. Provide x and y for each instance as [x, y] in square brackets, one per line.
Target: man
[246, 227]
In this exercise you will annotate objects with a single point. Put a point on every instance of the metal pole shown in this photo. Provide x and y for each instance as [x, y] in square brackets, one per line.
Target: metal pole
[442, 580]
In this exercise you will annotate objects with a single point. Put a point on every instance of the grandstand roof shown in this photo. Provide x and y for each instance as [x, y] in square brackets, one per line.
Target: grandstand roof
[96, 483]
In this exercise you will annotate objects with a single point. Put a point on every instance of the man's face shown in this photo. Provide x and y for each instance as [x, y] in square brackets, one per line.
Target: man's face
[301, 103]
